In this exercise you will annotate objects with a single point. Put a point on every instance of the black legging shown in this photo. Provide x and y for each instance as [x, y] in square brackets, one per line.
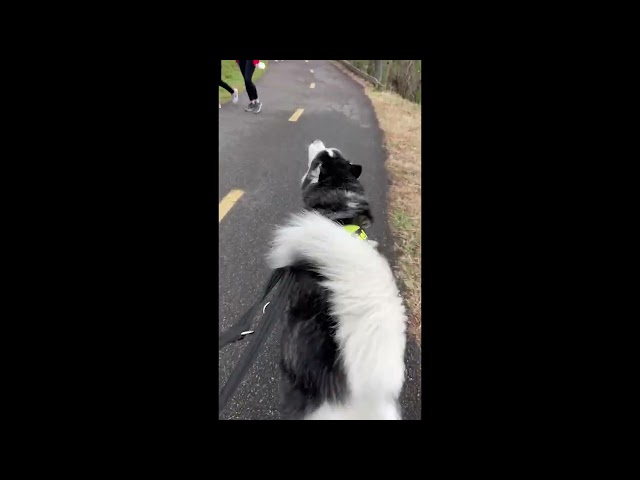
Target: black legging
[247, 68]
[224, 84]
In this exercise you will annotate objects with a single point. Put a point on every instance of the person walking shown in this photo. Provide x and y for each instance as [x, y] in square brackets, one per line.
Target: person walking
[247, 67]
[225, 85]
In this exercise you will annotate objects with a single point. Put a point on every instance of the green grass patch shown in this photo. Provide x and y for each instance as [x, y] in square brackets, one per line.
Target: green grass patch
[407, 230]
[402, 221]
[231, 74]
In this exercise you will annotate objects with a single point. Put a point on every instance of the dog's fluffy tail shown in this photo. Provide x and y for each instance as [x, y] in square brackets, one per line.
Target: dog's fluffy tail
[364, 299]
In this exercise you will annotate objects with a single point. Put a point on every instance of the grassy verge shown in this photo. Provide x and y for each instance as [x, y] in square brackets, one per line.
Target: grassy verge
[401, 123]
[231, 74]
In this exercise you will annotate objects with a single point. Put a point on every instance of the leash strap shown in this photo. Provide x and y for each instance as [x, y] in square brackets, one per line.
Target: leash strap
[256, 340]
[242, 328]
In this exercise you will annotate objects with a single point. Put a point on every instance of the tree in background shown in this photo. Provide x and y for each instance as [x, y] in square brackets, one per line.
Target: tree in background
[401, 76]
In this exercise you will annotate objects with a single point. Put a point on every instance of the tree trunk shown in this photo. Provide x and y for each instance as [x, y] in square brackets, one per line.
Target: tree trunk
[378, 70]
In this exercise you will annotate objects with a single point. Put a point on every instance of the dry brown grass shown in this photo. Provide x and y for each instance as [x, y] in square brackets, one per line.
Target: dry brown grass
[401, 122]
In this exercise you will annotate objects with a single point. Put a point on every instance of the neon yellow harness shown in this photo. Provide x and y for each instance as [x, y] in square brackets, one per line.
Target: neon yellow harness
[356, 230]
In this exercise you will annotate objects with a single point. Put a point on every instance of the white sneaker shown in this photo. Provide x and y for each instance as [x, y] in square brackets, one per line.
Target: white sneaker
[219, 106]
[235, 95]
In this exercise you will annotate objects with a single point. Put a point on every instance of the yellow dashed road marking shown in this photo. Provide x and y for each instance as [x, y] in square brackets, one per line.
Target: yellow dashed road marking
[296, 115]
[313, 85]
[227, 202]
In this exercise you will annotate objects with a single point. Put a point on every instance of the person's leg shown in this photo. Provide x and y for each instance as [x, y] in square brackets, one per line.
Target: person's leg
[251, 88]
[249, 68]
[232, 91]
[242, 66]
[226, 86]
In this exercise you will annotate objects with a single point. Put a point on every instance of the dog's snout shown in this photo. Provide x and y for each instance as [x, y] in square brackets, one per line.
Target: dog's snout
[314, 149]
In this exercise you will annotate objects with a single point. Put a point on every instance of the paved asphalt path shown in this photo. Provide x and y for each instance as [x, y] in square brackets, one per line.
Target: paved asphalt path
[265, 155]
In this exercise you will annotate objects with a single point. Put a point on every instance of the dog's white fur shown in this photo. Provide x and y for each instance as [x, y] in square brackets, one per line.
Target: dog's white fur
[367, 306]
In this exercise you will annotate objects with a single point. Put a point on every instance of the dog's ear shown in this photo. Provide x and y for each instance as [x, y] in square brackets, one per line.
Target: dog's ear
[356, 170]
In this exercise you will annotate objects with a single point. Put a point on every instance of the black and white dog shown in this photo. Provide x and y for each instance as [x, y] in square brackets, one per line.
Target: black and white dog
[344, 327]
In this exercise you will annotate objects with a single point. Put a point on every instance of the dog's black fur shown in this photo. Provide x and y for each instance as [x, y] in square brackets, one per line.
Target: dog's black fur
[312, 372]
[337, 188]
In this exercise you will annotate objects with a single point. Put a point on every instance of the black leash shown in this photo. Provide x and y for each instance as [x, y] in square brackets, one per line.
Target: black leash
[241, 329]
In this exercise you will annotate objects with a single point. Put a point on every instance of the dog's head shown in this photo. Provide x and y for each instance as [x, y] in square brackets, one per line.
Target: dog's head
[331, 186]
[328, 166]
